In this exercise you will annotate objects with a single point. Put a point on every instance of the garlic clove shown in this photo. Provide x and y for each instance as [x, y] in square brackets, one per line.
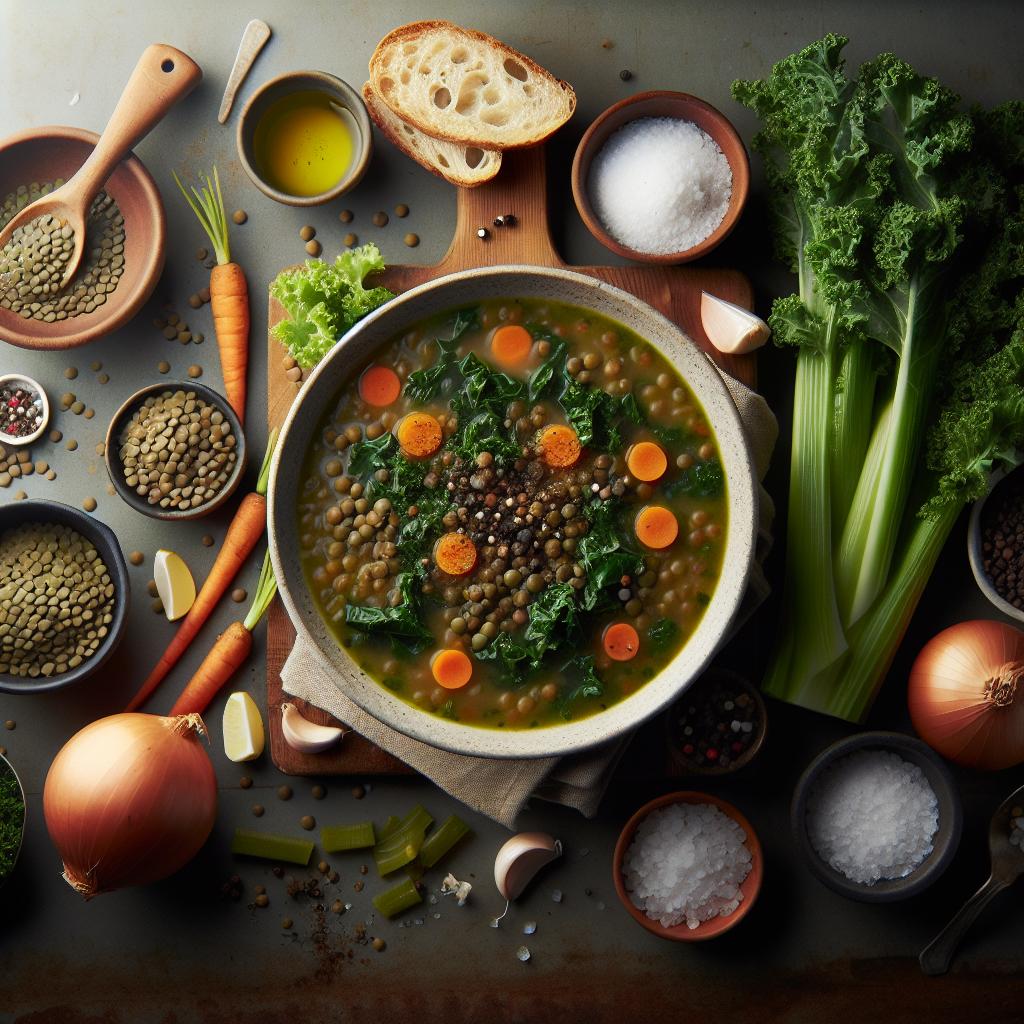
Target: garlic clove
[306, 736]
[731, 328]
[520, 859]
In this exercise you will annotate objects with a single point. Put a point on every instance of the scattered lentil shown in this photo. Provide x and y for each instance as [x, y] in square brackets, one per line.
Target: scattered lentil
[380, 219]
[239, 216]
[319, 792]
[208, 541]
[163, 366]
[71, 445]
[136, 558]
[284, 792]
[307, 232]
[239, 594]
[308, 822]
[245, 782]
[351, 240]
[71, 372]
[195, 370]
[411, 240]
[258, 810]
[625, 74]
[401, 210]
[89, 504]
[55, 436]
[314, 248]
[345, 216]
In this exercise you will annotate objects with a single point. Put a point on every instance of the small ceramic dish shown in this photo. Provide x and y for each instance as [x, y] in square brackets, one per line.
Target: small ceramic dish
[43, 154]
[341, 94]
[750, 886]
[20, 380]
[946, 840]
[13, 514]
[662, 103]
[4, 766]
[683, 764]
[115, 470]
[974, 546]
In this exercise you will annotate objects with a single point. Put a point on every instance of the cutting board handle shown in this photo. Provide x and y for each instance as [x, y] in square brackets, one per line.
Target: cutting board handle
[520, 189]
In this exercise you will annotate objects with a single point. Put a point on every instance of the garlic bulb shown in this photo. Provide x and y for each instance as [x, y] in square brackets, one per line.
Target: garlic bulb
[731, 328]
[306, 736]
[520, 859]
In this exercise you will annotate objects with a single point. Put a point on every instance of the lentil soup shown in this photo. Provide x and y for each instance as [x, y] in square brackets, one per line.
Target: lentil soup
[514, 516]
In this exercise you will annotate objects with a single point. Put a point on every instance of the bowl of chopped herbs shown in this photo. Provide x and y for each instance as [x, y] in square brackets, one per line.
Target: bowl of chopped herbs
[12, 818]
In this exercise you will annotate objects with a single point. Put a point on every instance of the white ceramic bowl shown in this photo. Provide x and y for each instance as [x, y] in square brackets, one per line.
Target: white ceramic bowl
[21, 380]
[319, 394]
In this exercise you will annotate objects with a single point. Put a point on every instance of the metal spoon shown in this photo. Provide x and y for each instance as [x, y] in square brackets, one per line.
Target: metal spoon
[1007, 867]
[162, 77]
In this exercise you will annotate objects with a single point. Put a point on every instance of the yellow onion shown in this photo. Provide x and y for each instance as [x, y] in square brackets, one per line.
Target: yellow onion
[966, 694]
[129, 800]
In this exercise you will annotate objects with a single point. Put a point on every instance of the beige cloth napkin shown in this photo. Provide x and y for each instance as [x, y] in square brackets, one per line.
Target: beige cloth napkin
[500, 788]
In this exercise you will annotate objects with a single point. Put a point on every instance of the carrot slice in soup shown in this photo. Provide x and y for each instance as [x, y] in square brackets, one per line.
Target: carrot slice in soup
[451, 668]
[455, 554]
[379, 386]
[656, 527]
[621, 641]
[646, 461]
[561, 446]
[419, 434]
[510, 345]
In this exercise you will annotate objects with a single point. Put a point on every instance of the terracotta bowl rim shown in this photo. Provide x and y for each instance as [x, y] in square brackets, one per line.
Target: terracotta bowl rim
[108, 318]
[350, 100]
[717, 925]
[596, 135]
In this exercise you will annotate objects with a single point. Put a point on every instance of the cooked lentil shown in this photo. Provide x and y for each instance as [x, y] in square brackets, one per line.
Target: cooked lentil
[557, 558]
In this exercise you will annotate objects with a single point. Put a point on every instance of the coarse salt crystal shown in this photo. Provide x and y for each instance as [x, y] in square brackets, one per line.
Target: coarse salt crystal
[873, 815]
[686, 863]
[660, 185]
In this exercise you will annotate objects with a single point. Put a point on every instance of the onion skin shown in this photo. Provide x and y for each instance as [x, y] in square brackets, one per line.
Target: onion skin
[129, 800]
[966, 694]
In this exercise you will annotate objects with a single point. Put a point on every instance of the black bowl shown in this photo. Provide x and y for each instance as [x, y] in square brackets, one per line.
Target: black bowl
[946, 840]
[18, 512]
[115, 469]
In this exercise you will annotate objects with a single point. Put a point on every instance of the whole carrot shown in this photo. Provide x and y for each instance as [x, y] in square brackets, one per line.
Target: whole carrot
[229, 292]
[228, 653]
[244, 533]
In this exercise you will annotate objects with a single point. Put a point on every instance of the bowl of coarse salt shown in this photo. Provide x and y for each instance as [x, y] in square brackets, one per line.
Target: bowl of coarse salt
[661, 177]
[877, 816]
[688, 866]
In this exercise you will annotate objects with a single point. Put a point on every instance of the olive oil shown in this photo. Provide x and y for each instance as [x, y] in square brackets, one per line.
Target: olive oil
[304, 143]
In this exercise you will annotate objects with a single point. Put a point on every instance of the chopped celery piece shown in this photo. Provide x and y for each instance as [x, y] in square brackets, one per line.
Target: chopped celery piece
[271, 847]
[388, 828]
[336, 838]
[395, 900]
[403, 844]
[439, 842]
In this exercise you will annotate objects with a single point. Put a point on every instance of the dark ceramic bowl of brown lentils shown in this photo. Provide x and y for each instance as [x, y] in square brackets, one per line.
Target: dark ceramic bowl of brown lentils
[175, 450]
[63, 595]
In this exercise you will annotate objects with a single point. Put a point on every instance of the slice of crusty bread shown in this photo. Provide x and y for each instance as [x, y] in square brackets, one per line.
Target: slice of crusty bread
[467, 87]
[461, 165]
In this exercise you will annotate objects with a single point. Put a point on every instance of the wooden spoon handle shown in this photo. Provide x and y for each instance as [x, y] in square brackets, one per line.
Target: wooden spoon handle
[162, 77]
[936, 957]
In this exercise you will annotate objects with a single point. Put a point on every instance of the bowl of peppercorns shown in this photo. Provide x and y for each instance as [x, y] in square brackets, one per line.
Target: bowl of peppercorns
[24, 409]
[995, 544]
[717, 727]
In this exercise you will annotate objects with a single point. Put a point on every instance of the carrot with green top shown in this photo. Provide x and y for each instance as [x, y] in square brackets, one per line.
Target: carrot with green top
[244, 533]
[229, 652]
[229, 292]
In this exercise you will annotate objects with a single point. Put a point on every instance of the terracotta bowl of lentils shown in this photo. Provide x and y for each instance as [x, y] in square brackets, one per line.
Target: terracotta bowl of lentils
[124, 251]
[63, 595]
[175, 450]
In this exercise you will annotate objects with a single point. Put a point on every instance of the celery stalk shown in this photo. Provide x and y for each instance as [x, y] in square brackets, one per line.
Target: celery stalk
[440, 841]
[271, 847]
[337, 838]
[395, 900]
[402, 845]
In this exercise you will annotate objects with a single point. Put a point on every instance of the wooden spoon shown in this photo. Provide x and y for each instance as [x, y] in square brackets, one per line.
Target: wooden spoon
[162, 77]
[1007, 867]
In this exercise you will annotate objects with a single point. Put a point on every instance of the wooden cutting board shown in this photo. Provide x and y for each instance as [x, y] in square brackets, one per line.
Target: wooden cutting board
[520, 189]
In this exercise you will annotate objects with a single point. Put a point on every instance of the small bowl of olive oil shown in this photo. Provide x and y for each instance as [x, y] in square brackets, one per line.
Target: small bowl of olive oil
[305, 138]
